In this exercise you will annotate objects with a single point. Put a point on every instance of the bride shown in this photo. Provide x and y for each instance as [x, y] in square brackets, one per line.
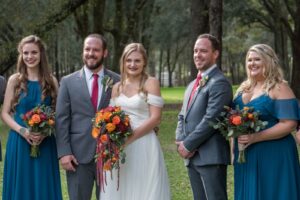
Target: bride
[143, 176]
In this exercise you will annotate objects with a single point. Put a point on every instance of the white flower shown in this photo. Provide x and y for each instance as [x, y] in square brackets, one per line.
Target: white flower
[107, 82]
[203, 81]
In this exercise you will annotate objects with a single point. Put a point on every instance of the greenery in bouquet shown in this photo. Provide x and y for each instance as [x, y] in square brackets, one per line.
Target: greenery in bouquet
[39, 121]
[111, 128]
[235, 122]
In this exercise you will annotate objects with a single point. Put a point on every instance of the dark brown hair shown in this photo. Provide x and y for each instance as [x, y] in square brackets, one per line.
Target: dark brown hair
[215, 43]
[45, 78]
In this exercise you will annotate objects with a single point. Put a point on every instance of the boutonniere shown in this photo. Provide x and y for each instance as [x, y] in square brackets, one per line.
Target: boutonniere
[203, 81]
[107, 82]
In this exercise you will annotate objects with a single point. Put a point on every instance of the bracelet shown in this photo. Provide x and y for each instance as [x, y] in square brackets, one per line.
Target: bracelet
[22, 130]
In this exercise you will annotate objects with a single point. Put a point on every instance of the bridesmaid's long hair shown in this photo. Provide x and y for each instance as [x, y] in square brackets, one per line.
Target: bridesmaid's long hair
[134, 47]
[45, 78]
[272, 71]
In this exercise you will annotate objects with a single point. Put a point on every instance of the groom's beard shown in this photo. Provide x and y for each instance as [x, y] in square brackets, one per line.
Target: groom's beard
[93, 66]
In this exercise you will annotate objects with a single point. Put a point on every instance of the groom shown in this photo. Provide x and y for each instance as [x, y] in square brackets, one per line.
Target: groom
[80, 95]
[204, 149]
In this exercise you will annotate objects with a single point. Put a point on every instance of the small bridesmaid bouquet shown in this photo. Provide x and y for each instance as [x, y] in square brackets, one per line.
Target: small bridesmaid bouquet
[235, 122]
[39, 121]
[111, 128]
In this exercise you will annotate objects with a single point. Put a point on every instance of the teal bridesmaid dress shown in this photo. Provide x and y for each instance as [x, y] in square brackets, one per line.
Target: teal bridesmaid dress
[272, 170]
[25, 177]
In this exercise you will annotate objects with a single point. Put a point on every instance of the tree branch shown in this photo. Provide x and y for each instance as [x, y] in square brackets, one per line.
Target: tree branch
[41, 29]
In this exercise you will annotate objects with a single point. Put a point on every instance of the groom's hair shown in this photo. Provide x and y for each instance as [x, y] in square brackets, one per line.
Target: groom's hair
[100, 37]
[214, 41]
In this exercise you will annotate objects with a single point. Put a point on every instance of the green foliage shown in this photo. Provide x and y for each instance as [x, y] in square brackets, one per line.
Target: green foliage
[236, 122]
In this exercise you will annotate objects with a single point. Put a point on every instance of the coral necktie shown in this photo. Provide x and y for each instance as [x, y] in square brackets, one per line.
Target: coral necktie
[95, 90]
[199, 77]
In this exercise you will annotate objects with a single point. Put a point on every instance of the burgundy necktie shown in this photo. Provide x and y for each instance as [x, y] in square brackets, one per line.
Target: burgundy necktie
[195, 88]
[95, 89]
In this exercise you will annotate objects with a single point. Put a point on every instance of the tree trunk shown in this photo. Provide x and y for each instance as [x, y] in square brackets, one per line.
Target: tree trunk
[281, 49]
[215, 23]
[98, 16]
[295, 84]
[200, 18]
[169, 67]
[161, 52]
[82, 21]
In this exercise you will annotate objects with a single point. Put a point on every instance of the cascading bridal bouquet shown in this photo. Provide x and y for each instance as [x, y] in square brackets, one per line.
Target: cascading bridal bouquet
[235, 122]
[111, 128]
[39, 121]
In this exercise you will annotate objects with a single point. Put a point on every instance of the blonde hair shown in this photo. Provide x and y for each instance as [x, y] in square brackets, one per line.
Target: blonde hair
[133, 47]
[45, 78]
[272, 71]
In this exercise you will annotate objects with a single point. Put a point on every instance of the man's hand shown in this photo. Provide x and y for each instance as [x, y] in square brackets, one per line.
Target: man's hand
[182, 150]
[68, 163]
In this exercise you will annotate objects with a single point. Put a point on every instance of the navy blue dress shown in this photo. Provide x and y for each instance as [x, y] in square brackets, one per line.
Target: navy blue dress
[272, 170]
[25, 177]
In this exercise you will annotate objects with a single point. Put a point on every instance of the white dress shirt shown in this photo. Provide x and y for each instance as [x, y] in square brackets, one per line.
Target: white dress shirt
[89, 81]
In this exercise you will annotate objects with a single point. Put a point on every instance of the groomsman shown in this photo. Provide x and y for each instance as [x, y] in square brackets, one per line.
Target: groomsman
[80, 95]
[204, 149]
[2, 89]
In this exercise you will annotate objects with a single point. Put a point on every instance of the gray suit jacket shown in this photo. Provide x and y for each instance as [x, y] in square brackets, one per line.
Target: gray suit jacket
[193, 123]
[74, 113]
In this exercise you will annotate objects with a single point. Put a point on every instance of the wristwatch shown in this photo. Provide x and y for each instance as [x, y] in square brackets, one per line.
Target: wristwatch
[22, 130]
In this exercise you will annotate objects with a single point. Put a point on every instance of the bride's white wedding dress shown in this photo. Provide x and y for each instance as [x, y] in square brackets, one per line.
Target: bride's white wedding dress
[144, 175]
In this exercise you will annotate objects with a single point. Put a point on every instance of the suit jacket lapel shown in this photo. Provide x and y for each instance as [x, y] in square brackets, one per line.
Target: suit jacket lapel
[189, 91]
[209, 75]
[194, 97]
[105, 95]
[84, 88]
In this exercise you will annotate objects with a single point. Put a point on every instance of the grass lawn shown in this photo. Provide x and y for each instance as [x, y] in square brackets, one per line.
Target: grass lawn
[173, 95]
[180, 186]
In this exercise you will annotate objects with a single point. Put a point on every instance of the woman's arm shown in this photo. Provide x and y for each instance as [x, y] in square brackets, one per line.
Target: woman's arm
[152, 87]
[6, 108]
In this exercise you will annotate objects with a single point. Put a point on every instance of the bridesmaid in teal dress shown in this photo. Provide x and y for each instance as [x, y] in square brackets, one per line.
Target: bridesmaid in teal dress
[25, 177]
[272, 170]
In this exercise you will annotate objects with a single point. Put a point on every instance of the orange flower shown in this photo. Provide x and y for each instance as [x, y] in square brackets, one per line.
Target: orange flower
[126, 120]
[104, 138]
[36, 118]
[110, 127]
[246, 108]
[236, 120]
[114, 159]
[250, 116]
[107, 165]
[107, 116]
[30, 122]
[51, 122]
[117, 109]
[98, 118]
[95, 132]
[116, 120]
